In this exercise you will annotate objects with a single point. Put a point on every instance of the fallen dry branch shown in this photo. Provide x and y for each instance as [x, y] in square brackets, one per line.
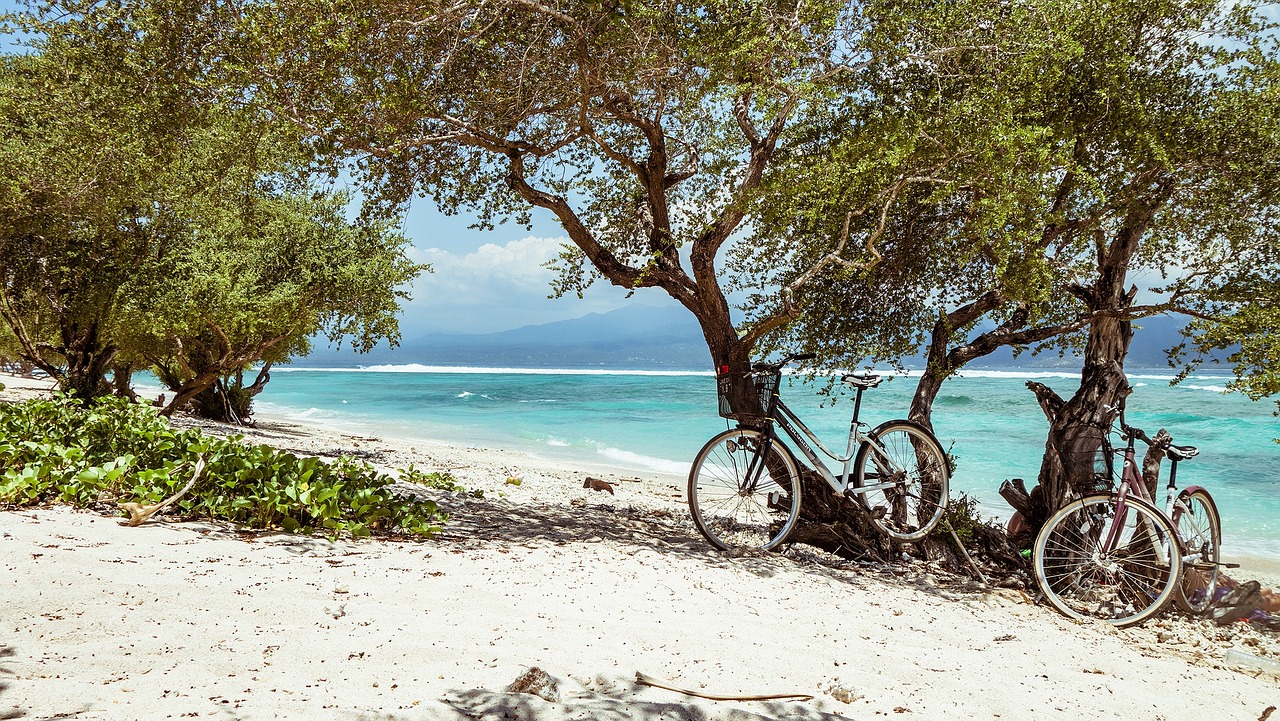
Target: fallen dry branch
[646, 680]
[138, 514]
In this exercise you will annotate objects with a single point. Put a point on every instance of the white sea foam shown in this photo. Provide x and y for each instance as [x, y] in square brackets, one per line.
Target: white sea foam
[1216, 389]
[419, 368]
[465, 394]
[557, 442]
[634, 460]
[1017, 374]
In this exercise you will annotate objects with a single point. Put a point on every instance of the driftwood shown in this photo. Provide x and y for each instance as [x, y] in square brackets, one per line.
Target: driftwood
[596, 484]
[646, 680]
[138, 514]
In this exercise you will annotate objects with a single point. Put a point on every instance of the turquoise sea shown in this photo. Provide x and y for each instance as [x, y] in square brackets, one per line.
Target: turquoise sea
[647, 421]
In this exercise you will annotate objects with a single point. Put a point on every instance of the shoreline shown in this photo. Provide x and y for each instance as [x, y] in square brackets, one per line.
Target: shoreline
[101, 621]
[394, 451]
[397, 451]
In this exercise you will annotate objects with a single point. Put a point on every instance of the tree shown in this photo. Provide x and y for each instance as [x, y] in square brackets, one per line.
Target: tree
[145, 219]
[67, 232]
[94, 119]
[643, 127]
[1131, 138]
[261, 275]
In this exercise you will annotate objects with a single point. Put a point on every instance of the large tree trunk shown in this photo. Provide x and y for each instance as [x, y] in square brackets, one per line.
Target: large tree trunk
[229, 400]
[87, 362]
[1074, 457]
[122, 380]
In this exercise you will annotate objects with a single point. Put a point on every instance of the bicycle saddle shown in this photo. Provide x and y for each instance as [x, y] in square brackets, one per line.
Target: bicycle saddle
[858, 381]
[1183, 452]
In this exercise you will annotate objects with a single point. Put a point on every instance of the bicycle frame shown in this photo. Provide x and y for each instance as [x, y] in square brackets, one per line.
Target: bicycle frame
[1131, 483]
[792, 426]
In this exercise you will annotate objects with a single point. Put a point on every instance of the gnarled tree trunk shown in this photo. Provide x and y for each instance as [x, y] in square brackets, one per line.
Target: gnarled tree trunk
[1074, 450]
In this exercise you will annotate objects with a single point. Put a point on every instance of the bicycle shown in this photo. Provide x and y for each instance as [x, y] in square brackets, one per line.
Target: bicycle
[1115, 556]
[745, 486]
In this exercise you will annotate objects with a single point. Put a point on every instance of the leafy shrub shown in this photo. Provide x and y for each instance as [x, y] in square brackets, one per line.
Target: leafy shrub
[114, 451]
[965, 517]
[442, 481]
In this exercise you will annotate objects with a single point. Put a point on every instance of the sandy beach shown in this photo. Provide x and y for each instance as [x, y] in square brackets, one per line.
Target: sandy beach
[195, 620]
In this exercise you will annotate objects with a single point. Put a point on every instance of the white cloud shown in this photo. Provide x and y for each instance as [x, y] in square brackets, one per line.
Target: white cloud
[496, 287]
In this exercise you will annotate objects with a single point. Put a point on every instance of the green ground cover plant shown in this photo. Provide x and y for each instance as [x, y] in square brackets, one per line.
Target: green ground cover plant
[115, 451]
[439, 480]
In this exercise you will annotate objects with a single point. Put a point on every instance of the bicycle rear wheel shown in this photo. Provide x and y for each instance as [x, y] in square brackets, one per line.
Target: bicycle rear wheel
[1196, 518]
[1124, 582]
[740, 500]
[918, 465]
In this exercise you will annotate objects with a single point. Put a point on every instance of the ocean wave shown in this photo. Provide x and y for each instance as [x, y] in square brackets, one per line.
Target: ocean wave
[1215, 389]
[557, 442]
[634, 460]
[1018, 374]
[420, 368]
[465, 394]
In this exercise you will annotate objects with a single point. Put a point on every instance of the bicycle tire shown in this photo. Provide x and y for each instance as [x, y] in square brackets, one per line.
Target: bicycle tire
[732, 515]
[1195, 516]
[909, 512]
[1122, 587]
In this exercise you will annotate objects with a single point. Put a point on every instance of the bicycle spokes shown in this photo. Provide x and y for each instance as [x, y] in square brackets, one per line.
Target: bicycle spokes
[1092, 562]
[744, 492]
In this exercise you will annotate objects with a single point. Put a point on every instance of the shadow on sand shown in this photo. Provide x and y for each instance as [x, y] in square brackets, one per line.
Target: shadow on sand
[6, 653]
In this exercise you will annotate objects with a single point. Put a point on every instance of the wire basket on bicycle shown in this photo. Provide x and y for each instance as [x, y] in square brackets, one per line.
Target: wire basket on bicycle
[766, 383]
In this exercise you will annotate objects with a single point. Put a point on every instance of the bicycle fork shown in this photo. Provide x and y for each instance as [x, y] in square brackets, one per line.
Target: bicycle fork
[755, 468]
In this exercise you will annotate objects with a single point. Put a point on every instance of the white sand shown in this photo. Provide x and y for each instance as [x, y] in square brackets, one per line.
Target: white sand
[100, 621]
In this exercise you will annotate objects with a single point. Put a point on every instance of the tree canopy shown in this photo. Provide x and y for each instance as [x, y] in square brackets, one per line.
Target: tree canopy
[1025, 182]
[146, 215]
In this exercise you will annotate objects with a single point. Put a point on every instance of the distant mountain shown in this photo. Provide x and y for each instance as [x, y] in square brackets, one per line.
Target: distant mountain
[635, 336]
[649, 337]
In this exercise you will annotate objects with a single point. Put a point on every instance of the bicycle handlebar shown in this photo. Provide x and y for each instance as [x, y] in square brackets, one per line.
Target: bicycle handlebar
[1127, 430]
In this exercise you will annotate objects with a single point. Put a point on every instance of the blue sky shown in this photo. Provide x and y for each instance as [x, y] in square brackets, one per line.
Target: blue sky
[494, 280]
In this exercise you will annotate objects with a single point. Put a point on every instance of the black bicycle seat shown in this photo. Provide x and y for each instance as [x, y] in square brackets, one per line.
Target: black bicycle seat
[1183, 452]
[858, 381]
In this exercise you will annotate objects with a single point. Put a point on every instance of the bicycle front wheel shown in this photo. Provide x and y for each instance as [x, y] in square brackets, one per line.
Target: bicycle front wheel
[1092, 563]
[1200, 529]
[740, 499]
[907, 456]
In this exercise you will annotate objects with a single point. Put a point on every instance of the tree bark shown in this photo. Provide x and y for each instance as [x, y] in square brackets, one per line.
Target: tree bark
[87, 361]
[122, 380]
[1078, 427]
[1151, 461]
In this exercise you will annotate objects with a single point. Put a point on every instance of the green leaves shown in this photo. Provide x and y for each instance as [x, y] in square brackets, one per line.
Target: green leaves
[116, 451]
[150, 216]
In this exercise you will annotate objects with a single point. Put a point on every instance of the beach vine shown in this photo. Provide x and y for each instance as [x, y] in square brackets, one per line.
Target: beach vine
[116, 452]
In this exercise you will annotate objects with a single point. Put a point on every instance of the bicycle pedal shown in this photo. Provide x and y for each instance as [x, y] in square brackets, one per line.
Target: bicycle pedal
[878, 512]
